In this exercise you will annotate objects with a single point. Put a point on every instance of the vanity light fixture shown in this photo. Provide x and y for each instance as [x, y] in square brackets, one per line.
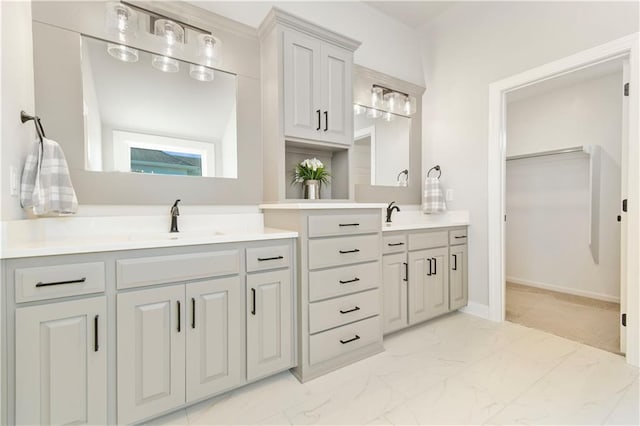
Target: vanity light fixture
[201, 73]
[377, 96]
[208, 48]
[359, 109]
[122, 22]
[388, 116]
[122, 52]
[165, 63]
[392, 100]
[173, 35]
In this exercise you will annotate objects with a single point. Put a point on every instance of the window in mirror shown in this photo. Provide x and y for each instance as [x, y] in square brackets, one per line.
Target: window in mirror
[140, 119]
[381, 147]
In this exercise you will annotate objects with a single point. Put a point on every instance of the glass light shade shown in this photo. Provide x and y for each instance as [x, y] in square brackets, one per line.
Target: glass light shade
[409, 107]
[164, 63]
[394, 101]
[200, 72]
[359, 109]
[123, 53]
[373, 113]
[377, 99]
[388, 116]
[171, 32]
[121, 20]
[208, 46]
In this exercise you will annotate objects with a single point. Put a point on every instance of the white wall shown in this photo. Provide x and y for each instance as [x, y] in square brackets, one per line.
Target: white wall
[547, 198]
[387, 45]
[472, 45]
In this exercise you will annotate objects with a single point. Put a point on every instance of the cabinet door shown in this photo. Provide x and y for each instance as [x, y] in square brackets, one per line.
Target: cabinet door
[301, 73]
[337, 96]
[150, 354]
[394, 271]
[458, 277]
[269, 325]
[428, 284]
[214, 345]
[61, 363]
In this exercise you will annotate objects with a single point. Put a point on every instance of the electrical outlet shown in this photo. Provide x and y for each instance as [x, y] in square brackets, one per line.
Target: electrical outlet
[449, 195]
[14, 181]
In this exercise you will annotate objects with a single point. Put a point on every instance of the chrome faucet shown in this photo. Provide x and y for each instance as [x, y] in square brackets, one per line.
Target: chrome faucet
[390, 209]
[174, 217]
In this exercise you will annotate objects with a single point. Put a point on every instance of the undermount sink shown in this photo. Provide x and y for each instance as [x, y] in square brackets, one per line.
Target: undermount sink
[189, 235]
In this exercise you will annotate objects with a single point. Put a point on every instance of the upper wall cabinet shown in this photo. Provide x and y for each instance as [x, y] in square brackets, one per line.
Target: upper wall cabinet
[307, 96]
[317, 89]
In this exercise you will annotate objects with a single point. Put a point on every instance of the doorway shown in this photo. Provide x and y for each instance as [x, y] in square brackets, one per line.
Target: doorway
[626, 47]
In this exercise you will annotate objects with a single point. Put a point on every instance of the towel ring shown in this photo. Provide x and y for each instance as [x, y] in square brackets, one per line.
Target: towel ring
[436, 168]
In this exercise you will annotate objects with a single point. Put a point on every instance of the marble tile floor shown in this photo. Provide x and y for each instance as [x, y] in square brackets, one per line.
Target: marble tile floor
[582, 319]
[457, 369]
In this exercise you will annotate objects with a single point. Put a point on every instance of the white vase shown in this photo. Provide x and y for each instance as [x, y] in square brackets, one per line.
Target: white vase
[311, 189]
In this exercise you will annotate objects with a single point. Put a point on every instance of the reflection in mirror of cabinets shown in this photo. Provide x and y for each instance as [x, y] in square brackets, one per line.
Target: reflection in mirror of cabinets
[306, 103]
[171, 117]
[381, 147]
[139, 119]
[387, 139]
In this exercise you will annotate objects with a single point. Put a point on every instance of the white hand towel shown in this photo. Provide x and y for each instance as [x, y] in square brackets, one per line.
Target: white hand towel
[46, 186]
[433, 200]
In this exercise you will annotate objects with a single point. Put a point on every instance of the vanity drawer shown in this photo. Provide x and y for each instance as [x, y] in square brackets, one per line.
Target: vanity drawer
[343, 280]
[394, 243]
[458, 236]
[272, 257]
[344, 224]
[49, 282]
[339, 341]
[425, 240]
[181, 267]
[343, 251]
[335, 312]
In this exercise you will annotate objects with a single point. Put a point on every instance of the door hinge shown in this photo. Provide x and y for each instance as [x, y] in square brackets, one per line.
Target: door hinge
[505, 217]
[624, 320]
[619, 218]
[626, 89]
[624, 205]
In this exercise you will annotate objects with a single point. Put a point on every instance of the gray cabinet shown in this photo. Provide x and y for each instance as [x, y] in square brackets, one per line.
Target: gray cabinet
[269, 323]
[61, 363]
[436, 275]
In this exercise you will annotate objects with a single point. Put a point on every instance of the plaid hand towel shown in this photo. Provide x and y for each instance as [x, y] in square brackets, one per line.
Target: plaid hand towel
[433, 200]
[46, 186]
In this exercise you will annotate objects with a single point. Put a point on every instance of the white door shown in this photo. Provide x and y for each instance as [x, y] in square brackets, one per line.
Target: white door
[61, 363]
[428, 284]
[150, 354]
[337, 112]
[269, 324]
[214, 345]
[302, 101]
[395, 282]
[458, 277]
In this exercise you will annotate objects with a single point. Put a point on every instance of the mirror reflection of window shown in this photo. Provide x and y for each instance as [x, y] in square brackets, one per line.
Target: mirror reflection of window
[381, 147]
[140, 119]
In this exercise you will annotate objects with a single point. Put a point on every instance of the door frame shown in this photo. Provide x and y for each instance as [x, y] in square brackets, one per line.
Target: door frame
[625, 47]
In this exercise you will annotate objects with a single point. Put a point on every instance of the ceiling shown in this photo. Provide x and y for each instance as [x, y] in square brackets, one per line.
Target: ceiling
[412, 13]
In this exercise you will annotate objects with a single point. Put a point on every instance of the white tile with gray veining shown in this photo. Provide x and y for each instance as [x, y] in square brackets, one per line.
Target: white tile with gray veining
[457, 369]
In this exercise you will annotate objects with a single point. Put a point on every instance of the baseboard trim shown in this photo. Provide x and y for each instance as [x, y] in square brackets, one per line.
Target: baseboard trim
[476, 309]
[560, 289]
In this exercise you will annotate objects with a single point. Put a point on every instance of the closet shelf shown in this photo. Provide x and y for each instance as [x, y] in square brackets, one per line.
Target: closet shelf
[584, 149]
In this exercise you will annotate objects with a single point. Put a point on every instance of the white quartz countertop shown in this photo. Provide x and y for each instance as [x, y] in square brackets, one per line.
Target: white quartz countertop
[415, 219]
[48, 237]
[321, 206]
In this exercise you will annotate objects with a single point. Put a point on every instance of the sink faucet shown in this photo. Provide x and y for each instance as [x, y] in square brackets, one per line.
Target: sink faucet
[174, 217]
[390, 209]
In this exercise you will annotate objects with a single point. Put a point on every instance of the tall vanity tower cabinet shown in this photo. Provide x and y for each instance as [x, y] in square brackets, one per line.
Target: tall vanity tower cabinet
[307, 96]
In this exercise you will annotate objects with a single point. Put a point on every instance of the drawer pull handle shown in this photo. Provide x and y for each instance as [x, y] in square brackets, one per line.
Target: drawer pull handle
[406, 272]
[95, 334]
[262, 259]
[455, 262]
[460, 236]
[349, 224]
[357, 308]
[253, 301]
[179, 315]
[349, 281]
[395, 244]
[429, 273]
[349, 251]
[435, 265]
[318, 112]
[353, 339]
[193, 312]
[81, 280]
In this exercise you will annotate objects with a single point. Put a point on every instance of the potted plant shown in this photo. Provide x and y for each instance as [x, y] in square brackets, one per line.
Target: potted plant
[311, 173]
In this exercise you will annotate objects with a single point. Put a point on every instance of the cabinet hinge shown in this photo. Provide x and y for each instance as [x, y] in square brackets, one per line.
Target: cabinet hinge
[626, 89]
[624, 320]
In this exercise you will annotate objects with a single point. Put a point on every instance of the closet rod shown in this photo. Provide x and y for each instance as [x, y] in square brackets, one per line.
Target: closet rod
[544, 153]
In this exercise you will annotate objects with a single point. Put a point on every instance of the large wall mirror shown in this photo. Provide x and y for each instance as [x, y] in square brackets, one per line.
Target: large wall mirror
[386, 164]
[146, 121]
